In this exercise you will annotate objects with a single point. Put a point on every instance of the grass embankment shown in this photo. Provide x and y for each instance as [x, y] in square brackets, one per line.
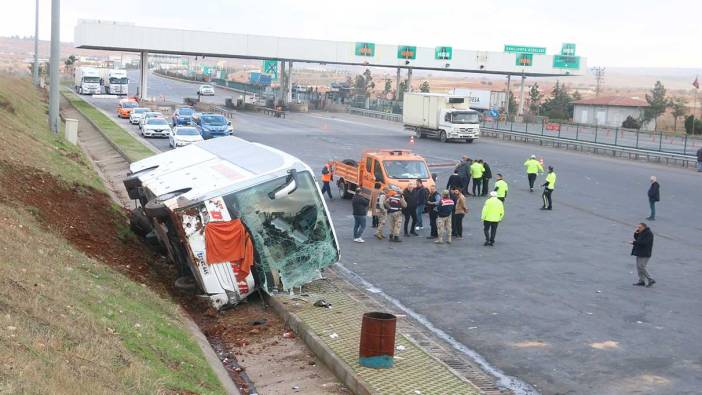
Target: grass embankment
[69, 322]
[133, 149]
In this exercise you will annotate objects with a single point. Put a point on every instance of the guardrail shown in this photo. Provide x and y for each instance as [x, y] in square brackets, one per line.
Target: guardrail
[616, 151]
[375, 114]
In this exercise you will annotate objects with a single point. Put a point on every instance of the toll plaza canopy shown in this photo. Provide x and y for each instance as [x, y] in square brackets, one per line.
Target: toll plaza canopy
[116, 36]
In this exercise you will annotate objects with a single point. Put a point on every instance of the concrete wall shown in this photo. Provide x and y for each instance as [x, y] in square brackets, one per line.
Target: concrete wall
[611, 116]
[127, 37]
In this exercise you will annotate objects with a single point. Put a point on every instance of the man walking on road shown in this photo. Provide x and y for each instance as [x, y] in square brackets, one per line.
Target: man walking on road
[549, 186]
[487, 175]
[360, 211]
[654, 195]
[476, 173]
[380, 213]
[533, 168]
[493, 212]
[422, 194]
[394, 203]
[699, 159]
[433, 203]
[501, 187]
[642, 248]
[327, 178]
[443, 222]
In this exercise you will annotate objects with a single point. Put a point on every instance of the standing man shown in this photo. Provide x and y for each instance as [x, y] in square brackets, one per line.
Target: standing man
[455, 180]
[410, 210]
[654, 195]
[487, 175]
[463, 171]
[443, 222]
[642, 248]
[394, 203]
[699, 159]
[460, 210]
[422, 194]
[476, 173]
[493, 212]
[501, 187]
[327, 178]
[533, 168]
[360, 210]
[433, 203]
[380, 213]
[549, 186]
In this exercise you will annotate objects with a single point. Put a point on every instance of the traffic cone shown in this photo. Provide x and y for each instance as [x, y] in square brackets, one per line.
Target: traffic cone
[411, 139]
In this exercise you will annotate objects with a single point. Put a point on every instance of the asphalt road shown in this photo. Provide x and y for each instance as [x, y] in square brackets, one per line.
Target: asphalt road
[552, 303]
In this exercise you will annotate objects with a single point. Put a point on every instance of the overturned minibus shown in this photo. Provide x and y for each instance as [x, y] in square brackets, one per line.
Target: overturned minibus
[236, 216]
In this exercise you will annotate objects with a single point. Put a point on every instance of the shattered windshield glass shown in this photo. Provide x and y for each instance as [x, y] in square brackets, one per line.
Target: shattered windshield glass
[292, 234]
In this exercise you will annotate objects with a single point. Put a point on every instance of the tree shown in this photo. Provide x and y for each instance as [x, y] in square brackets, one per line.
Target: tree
[70, 61]
[679, 107]
[512, 105]
[363, 84]
[535, 97]
[424, 87]
[558, 106]
[631, 123]
[688, 125]
[401, 90]
[577, 96]
[388, 86]
[657, 102]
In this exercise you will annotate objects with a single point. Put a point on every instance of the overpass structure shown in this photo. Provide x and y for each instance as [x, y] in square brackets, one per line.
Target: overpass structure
[116, 36]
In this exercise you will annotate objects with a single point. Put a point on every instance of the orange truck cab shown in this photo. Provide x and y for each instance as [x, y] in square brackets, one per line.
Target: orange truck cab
[125, 107]
[387, 167]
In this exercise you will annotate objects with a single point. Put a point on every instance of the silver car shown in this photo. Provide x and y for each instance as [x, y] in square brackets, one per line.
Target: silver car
[147, 115]
[206, 90]
[137, 114]
[156, 127]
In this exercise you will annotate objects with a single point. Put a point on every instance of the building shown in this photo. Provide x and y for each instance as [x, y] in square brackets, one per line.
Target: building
[609, 111]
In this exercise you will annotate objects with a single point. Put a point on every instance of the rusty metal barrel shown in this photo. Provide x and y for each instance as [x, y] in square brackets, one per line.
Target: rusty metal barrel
[377, 346]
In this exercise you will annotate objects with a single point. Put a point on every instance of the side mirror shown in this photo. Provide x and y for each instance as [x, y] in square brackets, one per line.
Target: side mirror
[229, 123]
[434, 176]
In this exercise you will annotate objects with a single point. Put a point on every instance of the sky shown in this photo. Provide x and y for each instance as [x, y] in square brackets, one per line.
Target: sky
[642, 33]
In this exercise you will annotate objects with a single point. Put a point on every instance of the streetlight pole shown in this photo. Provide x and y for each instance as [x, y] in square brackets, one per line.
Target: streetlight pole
[35, 71]
[54, 63]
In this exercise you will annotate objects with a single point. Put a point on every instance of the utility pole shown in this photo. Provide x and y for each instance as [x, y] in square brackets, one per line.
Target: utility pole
[35, 71]
[54, 63]
[599, 73]
[521, 96]
[509, 79]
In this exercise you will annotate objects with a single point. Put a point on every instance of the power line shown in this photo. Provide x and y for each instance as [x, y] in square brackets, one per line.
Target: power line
[599, 73]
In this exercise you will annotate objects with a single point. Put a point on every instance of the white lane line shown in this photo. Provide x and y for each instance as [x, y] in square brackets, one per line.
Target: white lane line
[512, 383]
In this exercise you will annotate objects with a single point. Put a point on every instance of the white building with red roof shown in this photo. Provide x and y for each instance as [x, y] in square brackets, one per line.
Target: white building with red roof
[610, 111]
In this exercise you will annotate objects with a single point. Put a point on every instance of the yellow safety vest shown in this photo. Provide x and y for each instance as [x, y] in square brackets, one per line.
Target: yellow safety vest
[501, 188]
[493, 210]
[551, 180]
[533, 166]
[476, 170]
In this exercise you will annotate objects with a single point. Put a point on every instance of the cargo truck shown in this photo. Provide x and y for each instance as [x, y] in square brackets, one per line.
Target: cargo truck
[442, 116]
[480, 99]
[87, 81]
[115, 81]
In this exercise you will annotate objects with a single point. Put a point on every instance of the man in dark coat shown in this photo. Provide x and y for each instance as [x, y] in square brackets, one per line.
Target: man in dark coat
[463, 171]
[642, 248]
[455, 180]
[654, 195]
[487, 175]
[411, 195]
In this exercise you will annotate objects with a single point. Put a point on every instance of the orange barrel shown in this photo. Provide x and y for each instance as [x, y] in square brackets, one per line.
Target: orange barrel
[377, 347]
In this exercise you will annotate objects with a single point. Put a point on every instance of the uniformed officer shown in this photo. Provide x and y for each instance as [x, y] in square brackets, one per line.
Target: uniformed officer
[501, 187]
[533, 168]
[395, 202]
[493, 212]
[549, 186]
[476, 173]
[380, 213]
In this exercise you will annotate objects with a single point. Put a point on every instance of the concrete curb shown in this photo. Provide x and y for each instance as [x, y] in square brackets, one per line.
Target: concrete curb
[343, 371]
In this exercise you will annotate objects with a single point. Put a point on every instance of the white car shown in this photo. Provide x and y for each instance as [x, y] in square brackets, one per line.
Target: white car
[184, 135]
[136, 115]
[155, 127]
[205, 90]
[148, 115]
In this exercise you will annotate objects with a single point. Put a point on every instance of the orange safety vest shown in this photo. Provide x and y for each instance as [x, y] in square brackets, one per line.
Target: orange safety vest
[327, 177]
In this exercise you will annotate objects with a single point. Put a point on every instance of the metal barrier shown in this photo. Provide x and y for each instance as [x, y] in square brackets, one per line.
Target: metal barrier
[375, 114]
[620, 151]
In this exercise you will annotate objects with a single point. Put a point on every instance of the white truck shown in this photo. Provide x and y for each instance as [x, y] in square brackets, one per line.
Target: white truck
[233, 217]
[87, 81]
[439, 115]
[115, 81]
[481, 99]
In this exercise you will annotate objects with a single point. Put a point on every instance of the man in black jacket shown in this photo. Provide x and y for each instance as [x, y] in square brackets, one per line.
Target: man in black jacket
[487, 175]
[463, 171]
[642, 247]
[455, 181]
[410, 212]
[360, 211]
[654, 195]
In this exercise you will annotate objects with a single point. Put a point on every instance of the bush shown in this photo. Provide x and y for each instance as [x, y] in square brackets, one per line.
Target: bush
[688, 125]
[631, 123]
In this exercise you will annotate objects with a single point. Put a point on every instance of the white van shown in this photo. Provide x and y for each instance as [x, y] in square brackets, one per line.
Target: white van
[237, 216]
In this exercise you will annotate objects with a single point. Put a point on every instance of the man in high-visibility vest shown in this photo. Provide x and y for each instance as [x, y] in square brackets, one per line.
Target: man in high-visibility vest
[493, 212]
[533, 168]
[476, 173]
[327, 178]
[549, 186]
[501, 187]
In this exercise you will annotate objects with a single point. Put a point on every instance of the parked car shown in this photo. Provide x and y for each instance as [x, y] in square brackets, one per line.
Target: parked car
[183, 135]
[137, 114]
[147, 115]
[212, 125]
[182, 116]
[156, 126]
[125, 107]
[206, 90]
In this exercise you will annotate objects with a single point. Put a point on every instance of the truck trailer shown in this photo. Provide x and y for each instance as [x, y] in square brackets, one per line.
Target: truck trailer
[87, 81]
[481, 99]
[442, 116]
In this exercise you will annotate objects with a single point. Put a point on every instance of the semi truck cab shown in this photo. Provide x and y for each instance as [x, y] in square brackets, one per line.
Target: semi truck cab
[460, 124]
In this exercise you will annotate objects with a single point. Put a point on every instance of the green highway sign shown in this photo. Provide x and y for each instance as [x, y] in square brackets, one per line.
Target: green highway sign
[270, 67]
[566, 62]
[568, 49]
[525, 49]
[525, 59]
[406, 52]
[443, 53]
[365, 49]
